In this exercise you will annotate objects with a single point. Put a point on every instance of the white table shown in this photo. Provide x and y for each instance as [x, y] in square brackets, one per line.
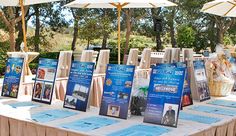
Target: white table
[15, 121]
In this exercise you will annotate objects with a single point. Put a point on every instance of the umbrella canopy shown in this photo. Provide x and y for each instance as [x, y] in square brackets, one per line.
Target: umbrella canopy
[119, 4]
[122, 3]
[225, 8]
[23, 3]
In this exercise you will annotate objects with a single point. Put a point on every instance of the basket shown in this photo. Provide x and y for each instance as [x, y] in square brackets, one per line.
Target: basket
[218, 88]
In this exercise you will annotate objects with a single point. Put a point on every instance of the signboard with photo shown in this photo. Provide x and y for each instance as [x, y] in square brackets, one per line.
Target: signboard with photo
[187, 95]
[117, 90]
[203, 92]
[164, 95]
[45, 80]
[78, 87]
[12, 78]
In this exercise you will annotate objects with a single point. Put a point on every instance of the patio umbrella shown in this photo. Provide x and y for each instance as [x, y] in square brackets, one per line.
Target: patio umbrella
[225, 8]
[23, 3]
[119, 4]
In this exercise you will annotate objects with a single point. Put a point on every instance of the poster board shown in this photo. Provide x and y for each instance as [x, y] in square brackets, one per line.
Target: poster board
[12, 78]
[78, 86]
[45, 80]
[117, 90]
[164, 96]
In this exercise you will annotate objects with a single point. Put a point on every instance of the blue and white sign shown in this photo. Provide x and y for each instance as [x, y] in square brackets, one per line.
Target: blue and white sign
[78, 87]
[164, 96]
[117, 90]
[12, 78]
[45, 80]
[203, 92]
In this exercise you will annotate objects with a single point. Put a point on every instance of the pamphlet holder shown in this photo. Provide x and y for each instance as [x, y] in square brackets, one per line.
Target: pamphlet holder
[133, 57]
[103, 60]
[146, 59]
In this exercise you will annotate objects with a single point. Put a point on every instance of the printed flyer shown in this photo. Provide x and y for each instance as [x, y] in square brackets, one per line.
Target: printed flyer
[117, 90]
[164, 96]
[187, 95]
[203, 91]
[45, 79]
[12, 78]
[78, 87]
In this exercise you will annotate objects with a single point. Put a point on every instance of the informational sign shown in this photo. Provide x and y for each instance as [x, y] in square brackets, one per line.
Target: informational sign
[78, 87]
[164, 96]
[12, 78]
[117, 90]
[45, 80]
[203, 92]
[187, 95]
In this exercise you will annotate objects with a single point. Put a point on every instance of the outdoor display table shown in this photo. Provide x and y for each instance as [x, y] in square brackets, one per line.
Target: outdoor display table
[16, 122]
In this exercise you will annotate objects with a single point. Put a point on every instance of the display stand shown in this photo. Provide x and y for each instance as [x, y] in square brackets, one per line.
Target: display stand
[87, 56]
[188, 57]
[133, 57]
[64, 62]
[146, 59]
[171, 55]
[103, 60]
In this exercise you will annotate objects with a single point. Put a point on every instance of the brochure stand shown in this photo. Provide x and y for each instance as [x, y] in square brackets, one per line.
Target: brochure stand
[133, 57]
[146, 59]
[103, 60]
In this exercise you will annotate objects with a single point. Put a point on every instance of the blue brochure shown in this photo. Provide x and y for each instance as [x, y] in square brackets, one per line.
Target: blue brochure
[78, 87]
[12, 77]
[187, 95]
[89, 124]
[164, 96]
[24, 104]
[117, 90]
[225, 103]
[203, 92]
[141, 130]
[51, 115]
[198, 118]
[214, 110]
[45, 79]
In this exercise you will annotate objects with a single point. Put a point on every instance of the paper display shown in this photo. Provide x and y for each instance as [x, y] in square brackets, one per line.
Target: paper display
[198, 118]
[51, 115]
[141, 130]
[203, 92]
[78, 87]
[45, 79]
[187, 95]
[164, 96]
[24, 105]
[89, 124]
[117, 90]
[12, 78]
[231, 104]
[214, 110]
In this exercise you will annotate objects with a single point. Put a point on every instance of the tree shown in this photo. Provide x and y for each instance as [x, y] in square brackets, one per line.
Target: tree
[10, 17]
[186, 36]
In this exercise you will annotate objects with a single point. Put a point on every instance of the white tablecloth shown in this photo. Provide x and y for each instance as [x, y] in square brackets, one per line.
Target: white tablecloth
[14, 122]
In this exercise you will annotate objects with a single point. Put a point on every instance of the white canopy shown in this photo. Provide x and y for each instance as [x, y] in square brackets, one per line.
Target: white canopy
[225, 8]
[26, 2]
[125, 3]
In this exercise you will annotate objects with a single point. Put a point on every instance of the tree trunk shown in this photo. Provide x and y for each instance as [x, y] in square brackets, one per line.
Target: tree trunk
[220, 36]
[172, 30]
[37, 29]
[88, 44]
[12, 36]
[75, 35]
[19, 39]
[128, 32]
[104, 41]
[155, 14]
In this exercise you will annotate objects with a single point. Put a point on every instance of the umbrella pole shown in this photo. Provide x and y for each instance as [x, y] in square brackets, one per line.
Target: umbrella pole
[23, 24]
[119, 10]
